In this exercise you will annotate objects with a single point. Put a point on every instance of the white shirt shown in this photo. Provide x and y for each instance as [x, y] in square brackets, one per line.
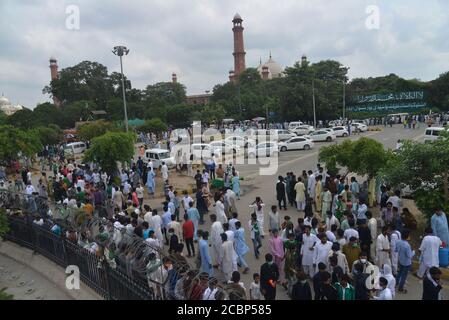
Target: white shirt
[29, 190]
[186, 201]
[140, 192]
[394, 200]
[331, 236]
[384, 294]
[164, 171]
[429, 248]
[322, 252]
[255, 291]
[209, 294]
[349, 233]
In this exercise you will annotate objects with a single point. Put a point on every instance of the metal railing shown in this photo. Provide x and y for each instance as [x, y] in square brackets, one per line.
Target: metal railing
[112, 284]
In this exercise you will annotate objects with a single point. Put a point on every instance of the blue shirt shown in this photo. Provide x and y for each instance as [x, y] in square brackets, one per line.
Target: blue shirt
[405, 253]
[166, 219]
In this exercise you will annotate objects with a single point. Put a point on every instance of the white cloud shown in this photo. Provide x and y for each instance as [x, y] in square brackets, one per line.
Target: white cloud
[194, 38]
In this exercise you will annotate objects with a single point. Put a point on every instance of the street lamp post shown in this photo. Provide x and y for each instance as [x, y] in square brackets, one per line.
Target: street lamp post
[120, 51]
[344, 92]
[313, 101]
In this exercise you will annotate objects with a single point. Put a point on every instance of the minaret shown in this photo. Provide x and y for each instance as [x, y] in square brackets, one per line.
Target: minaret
[239, 49]
[54, 76]
[231, 75]
[265, 73]
[174, 78]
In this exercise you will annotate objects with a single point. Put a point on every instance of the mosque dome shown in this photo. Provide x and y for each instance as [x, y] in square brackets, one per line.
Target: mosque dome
[4, 101]
[237, 17]
[275, 70]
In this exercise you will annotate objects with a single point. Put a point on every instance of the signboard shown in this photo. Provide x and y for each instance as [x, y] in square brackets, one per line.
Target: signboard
[404, 101]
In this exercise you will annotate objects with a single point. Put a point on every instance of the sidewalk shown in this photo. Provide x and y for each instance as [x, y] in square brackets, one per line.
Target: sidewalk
[32, 268]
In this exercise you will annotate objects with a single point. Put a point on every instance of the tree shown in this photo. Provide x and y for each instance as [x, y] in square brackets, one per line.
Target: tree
[85, 81]
[14, 140]
[88, 131]
[364, 156]
[110, 148]
[22, 119]
[48, 135]
[165, 93]
[155, 125]
[423, 167]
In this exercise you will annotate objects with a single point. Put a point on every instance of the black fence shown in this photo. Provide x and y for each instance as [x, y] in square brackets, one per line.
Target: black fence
[112, 284]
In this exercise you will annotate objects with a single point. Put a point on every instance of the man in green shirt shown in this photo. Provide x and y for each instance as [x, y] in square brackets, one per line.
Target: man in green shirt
[80, 195]
[345, 290]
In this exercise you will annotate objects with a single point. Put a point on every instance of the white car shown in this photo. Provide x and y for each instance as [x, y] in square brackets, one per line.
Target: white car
[282, 134]
[222, 147]
[341, 131]
[359, 126]
[322, 135]
[303, 130]
[159, 156]
[240, 141]
[298, 143]
[201, 151]
[265, 149]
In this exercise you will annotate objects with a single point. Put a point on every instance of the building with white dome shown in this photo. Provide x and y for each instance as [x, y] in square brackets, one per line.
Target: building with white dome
[7, 108]
[270, 69]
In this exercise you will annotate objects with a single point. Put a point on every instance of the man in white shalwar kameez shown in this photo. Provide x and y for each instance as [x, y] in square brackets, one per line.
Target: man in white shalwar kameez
[215, 236]
[395, 237]
[227, 257]
[164, 170]
[429, 250]
[322, 249]
[383, 248]
[372, 226]
[258, 210]
[155, 223]
[327, 203]
[308, 251]
[311, 181]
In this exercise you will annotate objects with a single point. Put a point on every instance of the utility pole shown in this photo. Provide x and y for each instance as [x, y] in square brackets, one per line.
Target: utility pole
[120, 51]
[313, 101]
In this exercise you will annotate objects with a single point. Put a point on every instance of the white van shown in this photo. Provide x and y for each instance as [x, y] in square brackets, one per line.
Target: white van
[433, 133]
[74, 148]
[293, 125]
[157, 156]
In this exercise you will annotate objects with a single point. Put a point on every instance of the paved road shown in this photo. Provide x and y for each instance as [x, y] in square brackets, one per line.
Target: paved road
[296, 161]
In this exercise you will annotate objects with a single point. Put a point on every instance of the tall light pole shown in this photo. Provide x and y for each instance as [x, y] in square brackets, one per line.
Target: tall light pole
[313, 101]
[344, 92]
[120, 51]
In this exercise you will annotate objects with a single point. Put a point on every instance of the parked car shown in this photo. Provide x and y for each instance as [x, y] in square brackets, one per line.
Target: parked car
[74, 148]
[201, 151]
[265, 149]
[341, 131]
[240, 141]
[293, 125]
[359, 126]
[282, 135]
[222, 147]
[433, 133]
[322, 135]
[158, 156]
[298, 143]
[302, 130]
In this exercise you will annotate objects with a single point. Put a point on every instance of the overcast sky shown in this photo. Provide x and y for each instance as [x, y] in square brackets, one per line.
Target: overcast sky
[194, 39]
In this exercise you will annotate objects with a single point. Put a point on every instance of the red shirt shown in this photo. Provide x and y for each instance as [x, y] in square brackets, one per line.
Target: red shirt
[188, 229]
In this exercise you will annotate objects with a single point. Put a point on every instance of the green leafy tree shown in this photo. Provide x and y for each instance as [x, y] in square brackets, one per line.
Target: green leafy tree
[364, 156]
[22, 119]
[14, 140]
[88, 131]
[155, 125]
[165, 93]
[110, 148]
[423, 167]
[48, 135]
